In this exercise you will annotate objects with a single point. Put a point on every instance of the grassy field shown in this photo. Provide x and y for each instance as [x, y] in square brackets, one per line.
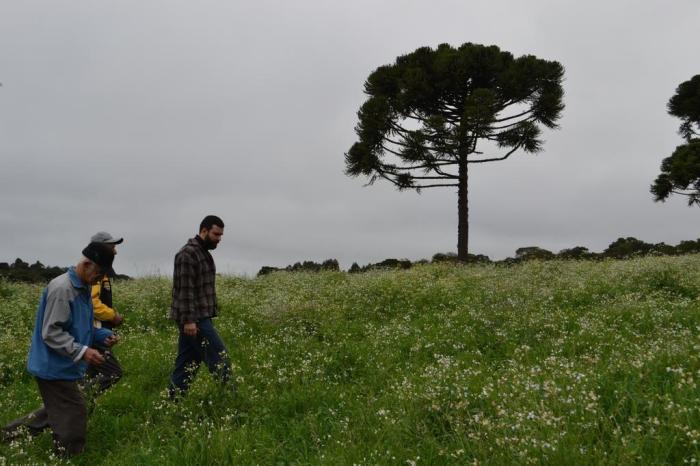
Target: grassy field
[539, 363]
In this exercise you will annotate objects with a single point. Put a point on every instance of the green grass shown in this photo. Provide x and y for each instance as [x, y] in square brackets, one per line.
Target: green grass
[540, 363]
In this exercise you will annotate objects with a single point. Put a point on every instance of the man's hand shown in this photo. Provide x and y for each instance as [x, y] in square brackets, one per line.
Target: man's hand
[93, 357]
[190, 329]
[112, 340]
[118, 319]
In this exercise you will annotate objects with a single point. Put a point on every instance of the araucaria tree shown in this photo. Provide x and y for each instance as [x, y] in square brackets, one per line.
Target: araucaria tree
[434, 112]
[680, 173]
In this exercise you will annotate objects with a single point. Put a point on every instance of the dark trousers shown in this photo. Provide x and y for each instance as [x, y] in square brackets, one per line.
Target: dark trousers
[191, 351]
[96, 381]
[66, 413]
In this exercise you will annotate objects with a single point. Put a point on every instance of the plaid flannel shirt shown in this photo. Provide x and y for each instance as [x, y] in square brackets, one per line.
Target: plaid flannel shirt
[194, 292]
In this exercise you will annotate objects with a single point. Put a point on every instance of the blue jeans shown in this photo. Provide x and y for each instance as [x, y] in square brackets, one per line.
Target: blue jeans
[191, 351]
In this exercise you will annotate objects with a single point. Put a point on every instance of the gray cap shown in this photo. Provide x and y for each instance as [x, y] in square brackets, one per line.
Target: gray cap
[105, 238]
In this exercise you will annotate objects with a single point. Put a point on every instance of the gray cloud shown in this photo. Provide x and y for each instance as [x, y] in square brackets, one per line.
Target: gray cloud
[142, 117]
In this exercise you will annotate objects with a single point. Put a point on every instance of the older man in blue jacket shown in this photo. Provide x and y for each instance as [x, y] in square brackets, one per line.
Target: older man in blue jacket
[61, 346]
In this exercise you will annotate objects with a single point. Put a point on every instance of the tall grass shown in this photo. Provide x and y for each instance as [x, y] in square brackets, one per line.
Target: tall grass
[539, 363]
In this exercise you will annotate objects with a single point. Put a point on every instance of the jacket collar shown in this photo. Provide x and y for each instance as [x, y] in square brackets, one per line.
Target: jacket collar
[197, 241]
[74, 279]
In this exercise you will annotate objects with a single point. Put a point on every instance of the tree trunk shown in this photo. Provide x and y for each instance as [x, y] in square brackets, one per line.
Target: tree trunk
[463, 213]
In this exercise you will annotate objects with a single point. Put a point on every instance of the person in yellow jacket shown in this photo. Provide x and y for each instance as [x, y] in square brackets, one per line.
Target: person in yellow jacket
[105, 314]
[100, 378]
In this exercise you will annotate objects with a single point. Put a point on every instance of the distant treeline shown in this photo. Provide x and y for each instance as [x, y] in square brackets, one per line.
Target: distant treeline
[20, 271]
[306, 266]
[622, 248]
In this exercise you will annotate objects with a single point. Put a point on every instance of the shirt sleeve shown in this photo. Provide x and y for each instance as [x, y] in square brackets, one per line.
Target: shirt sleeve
[101, 310]
[56, 315]
[101, 334]
[80, 355]
[184, 281]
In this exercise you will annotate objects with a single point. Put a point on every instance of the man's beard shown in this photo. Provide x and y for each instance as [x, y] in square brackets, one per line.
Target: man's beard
[209, 244]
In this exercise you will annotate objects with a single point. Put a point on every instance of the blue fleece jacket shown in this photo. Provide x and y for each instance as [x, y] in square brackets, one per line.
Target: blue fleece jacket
[63, 329]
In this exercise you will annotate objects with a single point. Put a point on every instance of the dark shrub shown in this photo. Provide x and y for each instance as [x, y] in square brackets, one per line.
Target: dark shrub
[306, 266]
[533, 252]
[577, 252]
[627, 247]
[452, 257]
[688, 247]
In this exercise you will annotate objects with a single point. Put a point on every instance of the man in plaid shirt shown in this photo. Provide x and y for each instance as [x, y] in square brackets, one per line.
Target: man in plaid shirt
[194, 305]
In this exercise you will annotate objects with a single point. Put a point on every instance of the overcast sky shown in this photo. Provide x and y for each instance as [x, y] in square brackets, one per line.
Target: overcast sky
[140, 117]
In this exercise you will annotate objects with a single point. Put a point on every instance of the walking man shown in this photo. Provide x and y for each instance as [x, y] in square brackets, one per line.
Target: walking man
[98, 378]
[61, 347]
[193, 307]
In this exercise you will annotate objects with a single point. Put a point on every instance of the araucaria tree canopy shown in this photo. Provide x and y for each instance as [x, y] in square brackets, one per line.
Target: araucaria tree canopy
[685, 104]
[434, 112]
[680, 173]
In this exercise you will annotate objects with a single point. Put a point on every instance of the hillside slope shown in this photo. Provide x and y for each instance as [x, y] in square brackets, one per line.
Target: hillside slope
[554, 362]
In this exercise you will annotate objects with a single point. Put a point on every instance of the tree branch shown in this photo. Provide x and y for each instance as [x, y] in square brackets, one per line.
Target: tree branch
[498, 120]
[434, 177]
[403, 144]
[512, 124]
[396, 183]
[496, 158]
[406, 133]
[389, 150]
[394, 170]
[435, 186]
[508, 103]
[691, 194]
[428, 165]
[428, 148]
[446, 175]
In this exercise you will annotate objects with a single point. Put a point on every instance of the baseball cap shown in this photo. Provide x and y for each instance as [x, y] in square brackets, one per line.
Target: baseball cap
[102, 255]
[105, 238]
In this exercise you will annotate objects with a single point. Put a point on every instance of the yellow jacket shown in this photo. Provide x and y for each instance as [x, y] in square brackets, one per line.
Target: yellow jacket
[102, 311]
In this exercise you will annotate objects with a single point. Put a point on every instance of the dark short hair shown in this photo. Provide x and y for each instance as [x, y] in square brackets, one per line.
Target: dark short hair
[209, 221]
